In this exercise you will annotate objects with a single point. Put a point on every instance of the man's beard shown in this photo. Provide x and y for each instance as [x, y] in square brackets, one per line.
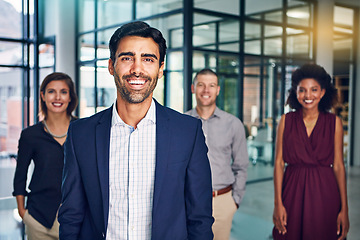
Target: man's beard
[134, 96]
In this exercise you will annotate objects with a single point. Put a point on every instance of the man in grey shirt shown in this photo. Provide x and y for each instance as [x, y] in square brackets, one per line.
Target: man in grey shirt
[225, 138]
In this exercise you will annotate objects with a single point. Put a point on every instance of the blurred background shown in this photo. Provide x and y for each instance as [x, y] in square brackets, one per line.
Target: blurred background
[253, 45]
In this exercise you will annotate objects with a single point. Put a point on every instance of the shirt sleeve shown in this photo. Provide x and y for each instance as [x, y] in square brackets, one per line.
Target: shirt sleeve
[240, 161]
[24, 156]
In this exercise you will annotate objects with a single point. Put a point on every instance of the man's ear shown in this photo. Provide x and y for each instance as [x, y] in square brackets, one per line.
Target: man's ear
[161, 70]
[192, 88]
[111, 66]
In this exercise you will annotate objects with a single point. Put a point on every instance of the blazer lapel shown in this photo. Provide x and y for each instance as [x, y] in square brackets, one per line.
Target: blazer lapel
[163, 140]
[102, 158]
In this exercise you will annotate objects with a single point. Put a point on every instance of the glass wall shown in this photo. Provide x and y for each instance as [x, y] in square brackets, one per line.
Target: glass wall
[253, 45]
[344, 75]
[16, 101]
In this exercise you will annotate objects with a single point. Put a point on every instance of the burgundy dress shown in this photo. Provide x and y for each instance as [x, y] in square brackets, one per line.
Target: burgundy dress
[310, 191]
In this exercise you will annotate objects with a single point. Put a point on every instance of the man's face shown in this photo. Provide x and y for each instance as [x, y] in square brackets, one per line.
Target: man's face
[206, 89]
[136, 68]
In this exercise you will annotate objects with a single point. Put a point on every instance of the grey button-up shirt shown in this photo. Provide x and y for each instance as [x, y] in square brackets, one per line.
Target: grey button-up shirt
[225, 138]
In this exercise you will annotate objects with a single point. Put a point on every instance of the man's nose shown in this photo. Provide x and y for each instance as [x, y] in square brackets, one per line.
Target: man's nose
[136, 67]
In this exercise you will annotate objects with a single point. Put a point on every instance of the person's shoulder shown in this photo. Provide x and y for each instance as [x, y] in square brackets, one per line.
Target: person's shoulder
[190, 112]
[228, 117]
[32, 130]
[93, 119]
[173, 114]
[177, 119]
[291, 113]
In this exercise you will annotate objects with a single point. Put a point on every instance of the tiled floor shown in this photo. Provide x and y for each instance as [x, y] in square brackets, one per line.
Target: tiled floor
[253, 221]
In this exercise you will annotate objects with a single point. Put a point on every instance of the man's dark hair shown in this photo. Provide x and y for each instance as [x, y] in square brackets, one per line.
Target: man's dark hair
[139, 29]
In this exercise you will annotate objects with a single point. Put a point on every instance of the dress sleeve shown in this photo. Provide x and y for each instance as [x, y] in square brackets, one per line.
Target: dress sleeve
[24, 156]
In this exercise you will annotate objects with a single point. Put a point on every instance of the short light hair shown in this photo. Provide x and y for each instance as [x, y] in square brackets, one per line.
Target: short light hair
[206, 71]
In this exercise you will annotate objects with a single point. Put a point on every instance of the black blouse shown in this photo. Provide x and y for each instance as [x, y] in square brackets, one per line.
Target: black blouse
[44, 197]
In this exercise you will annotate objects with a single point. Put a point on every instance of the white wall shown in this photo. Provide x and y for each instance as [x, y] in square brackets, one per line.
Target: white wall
[59, 20]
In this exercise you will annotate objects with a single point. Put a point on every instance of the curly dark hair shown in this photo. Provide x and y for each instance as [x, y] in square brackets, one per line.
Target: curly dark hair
[139, 29]
[318, 73]
[59, 76]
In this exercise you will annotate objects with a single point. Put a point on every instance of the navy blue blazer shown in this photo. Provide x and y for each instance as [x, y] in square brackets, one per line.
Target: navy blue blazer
[182, 204]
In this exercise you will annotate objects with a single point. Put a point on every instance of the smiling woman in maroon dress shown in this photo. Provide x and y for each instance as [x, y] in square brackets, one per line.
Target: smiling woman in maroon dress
[310, 195]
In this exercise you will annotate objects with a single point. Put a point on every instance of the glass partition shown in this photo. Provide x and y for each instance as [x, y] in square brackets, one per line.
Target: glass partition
[231, 6]
[145, 8]
[112, 12]
[87, 91]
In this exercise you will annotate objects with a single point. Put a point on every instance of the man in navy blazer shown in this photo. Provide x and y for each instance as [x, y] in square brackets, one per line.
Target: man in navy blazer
[168, 194]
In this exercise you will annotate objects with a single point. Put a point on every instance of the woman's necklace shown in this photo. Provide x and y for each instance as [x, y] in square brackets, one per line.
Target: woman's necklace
[311, 123]
[55, 136]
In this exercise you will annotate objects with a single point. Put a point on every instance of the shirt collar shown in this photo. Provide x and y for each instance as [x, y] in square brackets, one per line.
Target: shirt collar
[216, 113]
[149, 118]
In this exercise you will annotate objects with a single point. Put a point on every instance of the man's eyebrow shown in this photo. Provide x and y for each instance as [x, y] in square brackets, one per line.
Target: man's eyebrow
[149, 55]
[126, 54]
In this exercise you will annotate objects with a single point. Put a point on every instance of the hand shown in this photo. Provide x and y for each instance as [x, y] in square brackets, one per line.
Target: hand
[21, 212]
[343, 225]
[280, 218]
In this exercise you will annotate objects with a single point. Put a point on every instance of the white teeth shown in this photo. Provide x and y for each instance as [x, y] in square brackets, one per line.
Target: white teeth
[137, 82]
[309, 101]
[57, 104]
[206, 96]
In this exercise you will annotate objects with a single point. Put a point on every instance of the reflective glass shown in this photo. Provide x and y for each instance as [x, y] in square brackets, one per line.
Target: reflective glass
[343, 48]
[272, 31]
[113, 12]
[203, 60]
[273, 40]
[343, 34]
[87, 91]
[275, 16]
[10, 53]
[298, 43]
[176, 91]
[204, 36]
[46, 55]
[273, 46]
[200, 19]
[228, 72]
[299, 13]
[146, 8]
[31, 13]
[87, 47]
[103, 38]
[159, 90]
[167, 24]
[344, 17]
[11, 19]
[86, 15]
[10, 108]
[255, 8]
[224, 6]
[229, 36]
[252, 43]
[259, 115]
[175, 61]
[176, 38]
[106, 90]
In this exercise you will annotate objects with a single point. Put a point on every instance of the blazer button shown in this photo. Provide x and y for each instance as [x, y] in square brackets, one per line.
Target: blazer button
[103, 235]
